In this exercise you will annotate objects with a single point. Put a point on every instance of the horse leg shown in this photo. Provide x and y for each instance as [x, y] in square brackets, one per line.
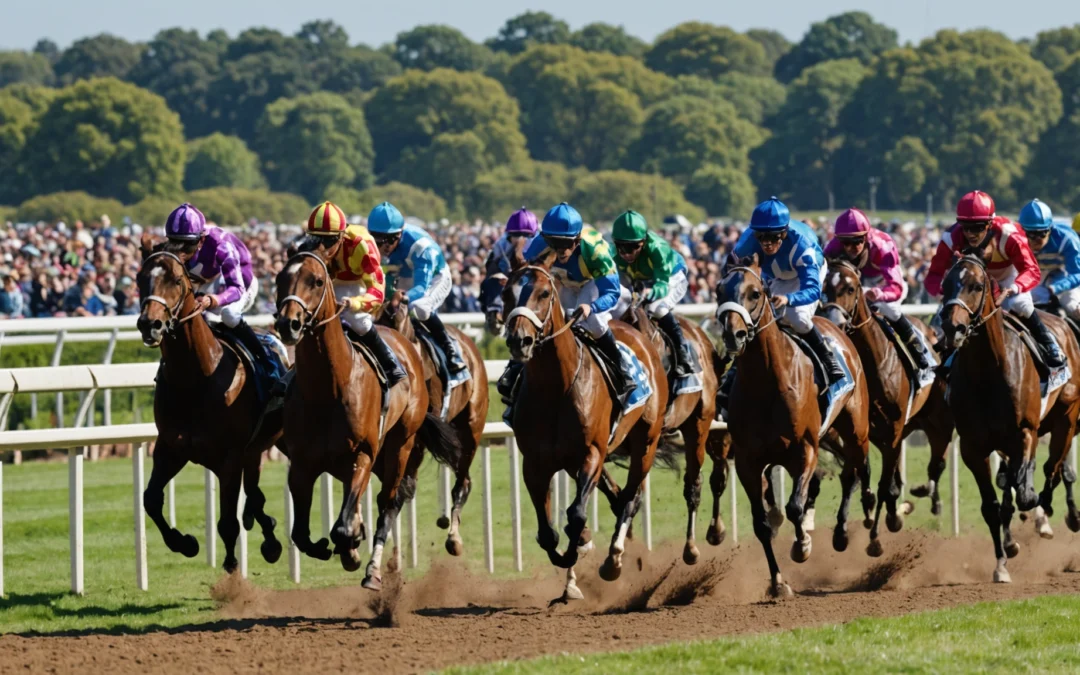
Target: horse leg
[395, 490]
[717, 483]
[1012, 549]
[1072, 519]
[462, 482]
[610, 489]
[349, 530]
[812, 492]
[255, 509]
[888, 493]
[301, 486]
[1061, 436]
[228, 525]
[694, 436]
[166, 465]
[750, 475]
[776, 516]
[939, 440]
[796, 505]
[641, 458]
[537, 477]
[577, 545]
[979, 464]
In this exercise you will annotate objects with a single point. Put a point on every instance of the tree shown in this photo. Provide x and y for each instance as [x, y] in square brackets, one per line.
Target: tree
[221, 161]
[755, 98]
[409, 199]
[1055, 48]
[530, 28]
[16, 124]
[48, 49]
[722, 191]
[434, 46]
[103, 55]
[603, 195]
[66, 207]
[235, 206]
[260, 40]
[852, 35]
[180, 66]
[38, 98]
[323, 37]
[705, 50]
[536, 185]
[109, 138]
[603, 37]
[774, 43]
[358, 69]
[907, 167]
[314, 142]
[1054, 173]
[245, 87]
[24, 68]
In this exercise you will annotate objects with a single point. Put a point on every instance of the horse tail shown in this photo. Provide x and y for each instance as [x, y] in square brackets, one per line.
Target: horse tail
[440, 438]
[667, 456]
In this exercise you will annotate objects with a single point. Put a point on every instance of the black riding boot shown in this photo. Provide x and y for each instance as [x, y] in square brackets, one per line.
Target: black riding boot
[684, 358]
[1047, 344]
[624, 384]
[435, 326]
[828, 359]
[247, 337]
[508, 381]
[723, 395]
[906, 330]
[385, 356]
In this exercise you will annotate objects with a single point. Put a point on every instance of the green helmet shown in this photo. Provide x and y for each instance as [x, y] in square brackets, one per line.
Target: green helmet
[630, 226]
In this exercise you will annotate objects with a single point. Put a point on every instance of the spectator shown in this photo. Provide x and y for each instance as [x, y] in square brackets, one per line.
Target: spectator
[124, 295]
[11, 298]
[89, 302]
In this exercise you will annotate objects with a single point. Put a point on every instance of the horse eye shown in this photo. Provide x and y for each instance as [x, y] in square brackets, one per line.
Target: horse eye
[545, 295]
[755, 295]
[978, 288]
[319, 282]
[178, 281]
[849, 291]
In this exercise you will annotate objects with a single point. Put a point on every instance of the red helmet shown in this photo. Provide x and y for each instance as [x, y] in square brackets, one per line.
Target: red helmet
[975, 206]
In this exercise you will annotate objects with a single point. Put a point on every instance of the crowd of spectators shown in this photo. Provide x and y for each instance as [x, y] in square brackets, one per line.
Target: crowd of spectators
[89, 269]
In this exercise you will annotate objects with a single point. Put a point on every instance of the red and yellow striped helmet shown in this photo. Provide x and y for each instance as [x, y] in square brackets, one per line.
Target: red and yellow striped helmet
[326, 219]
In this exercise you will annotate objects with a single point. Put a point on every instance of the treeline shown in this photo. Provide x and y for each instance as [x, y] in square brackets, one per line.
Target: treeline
[703, 120]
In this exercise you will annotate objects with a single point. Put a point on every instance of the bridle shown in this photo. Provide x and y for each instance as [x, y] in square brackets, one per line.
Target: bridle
[531, 315]
[849, 327]
[975, 320]
[310, 314]
[173, 312]
[752, 324]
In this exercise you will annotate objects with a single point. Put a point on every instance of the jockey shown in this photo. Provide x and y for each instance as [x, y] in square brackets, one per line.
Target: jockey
[644, 256]
[520, 230]
[1012, 264]
[874, 254]
[792, 265]
[414, 265]
[353, 263]
[1057, 249]
[220, 265]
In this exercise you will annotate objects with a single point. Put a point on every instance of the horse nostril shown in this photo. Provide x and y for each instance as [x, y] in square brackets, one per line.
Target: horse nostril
[740, 335]
[157, 325]
[294, 325]
[527, 341]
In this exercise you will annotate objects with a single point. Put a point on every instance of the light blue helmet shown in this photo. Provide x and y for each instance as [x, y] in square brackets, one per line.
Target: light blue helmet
[1036, 216]
[562, 220]
[385, 219]
[770, 215]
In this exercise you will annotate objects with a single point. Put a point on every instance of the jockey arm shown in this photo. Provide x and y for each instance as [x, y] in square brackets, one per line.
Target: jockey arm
[363, 262]
[231, 274]
[663, 262]
[887, 259]
[809, 271]
[423, 267]
[1070, 251]
[939, 264]
[1020, 255]
[609, 289]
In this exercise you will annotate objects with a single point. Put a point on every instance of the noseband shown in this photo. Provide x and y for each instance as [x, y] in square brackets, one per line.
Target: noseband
[731, 306]
[975, 320]
[310, 314]
[531, 315]
[849, 327]
[173, 313]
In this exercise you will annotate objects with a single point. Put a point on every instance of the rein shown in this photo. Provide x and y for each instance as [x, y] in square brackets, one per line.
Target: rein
[976, 320]
[850, 327]
[173, 312]
[310, 314]
[751, 323]
[535, 320]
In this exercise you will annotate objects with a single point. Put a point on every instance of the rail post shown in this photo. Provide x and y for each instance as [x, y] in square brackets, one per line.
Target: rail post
[211, 509]
[138, 480]
[327, 502]
[58, 349]
[489, 544]
[648, 512]
[733, 490]
[75, 518]
[291, 551]
[515, 500]
[954, 485]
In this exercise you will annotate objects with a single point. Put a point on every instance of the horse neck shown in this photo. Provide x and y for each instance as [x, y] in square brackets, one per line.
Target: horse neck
[403, 325]
[768, 356]
[192, 353]
[556, 363]
[988, 344]
[870, 338]
[325, 357]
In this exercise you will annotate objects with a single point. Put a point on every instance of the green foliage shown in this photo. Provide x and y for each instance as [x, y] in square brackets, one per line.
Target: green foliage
[179, 66]
[322, 37]
[536, 185]
[25, 68]
[722, 191]
[1055, 48]
[16, 125]
[603, 37]
[705, 50]
[410, 200]
[755, 98]
[86, 140]
[434, 46]
[235, 206]
[774, 43]
[103, 55]
[852, 35]
[67, 207]
[152, 210]
[218, 160]
[1054, 173]
[358, 69]
[907, 167]
[528, 29]
[7, 214]
[38, 98]
[603, 195]
[248, 84]
[48, 49]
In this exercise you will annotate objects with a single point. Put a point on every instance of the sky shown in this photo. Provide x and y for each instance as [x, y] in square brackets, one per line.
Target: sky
[22, 23]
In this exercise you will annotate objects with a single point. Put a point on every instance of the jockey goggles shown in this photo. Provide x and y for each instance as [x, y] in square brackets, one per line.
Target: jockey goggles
[560, 243]
[976, 226]
[628, 246]
[852, 241]
[770, 237]
[1037, 234]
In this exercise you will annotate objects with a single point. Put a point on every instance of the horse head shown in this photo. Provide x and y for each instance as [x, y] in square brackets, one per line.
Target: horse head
[967, 298]
[302, 290]
[532, 294]
[166, 292]
[743, 308]
[843, 292]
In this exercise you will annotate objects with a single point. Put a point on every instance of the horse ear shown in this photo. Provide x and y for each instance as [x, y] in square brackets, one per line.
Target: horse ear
[752, 260]
[149, 244]
[546, 260]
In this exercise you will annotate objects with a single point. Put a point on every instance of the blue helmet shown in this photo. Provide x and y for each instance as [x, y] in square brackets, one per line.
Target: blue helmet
[562, 220]
[385, 219]
[1036, 216]
[770, 215]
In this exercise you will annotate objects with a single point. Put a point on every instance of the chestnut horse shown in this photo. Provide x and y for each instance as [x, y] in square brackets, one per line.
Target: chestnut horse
[894, 413]
[563, 419]
[994, 393]
[333, 419]
[205, 408]
[467, 411]
[774, 416]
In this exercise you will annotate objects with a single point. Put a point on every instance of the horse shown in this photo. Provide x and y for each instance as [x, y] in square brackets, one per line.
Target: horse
[994, 393]
[563, 417]
[774, 418]
[894, 413]
[205, 407]
[692, 414]
[335, 421]
[467, 410]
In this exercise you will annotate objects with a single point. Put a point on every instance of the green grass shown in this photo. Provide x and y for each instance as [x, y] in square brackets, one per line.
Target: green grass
[1021, 636]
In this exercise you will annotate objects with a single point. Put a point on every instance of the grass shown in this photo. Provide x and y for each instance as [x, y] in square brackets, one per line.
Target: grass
[1020, 636]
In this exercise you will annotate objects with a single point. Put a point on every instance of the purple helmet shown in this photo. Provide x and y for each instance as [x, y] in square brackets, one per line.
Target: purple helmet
[522, 222]
[185, 222]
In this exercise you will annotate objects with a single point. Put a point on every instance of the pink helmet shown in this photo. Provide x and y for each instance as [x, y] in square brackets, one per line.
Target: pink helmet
[852, 223]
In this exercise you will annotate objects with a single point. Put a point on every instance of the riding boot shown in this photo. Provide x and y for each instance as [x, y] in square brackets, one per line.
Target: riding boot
[906, 330]
[1047, 344]
[508, 381]
[684, 358]
[723, 395]
[817, 343]
[385, 356]
[624, 384]
[247, 337]
[435, 326]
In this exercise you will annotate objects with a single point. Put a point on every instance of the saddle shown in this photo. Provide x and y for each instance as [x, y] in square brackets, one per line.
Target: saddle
[380, 374]
[828, 395]
[638, 396]
[442, 364]
[1025, 336]
[918, 378]
[269, 397]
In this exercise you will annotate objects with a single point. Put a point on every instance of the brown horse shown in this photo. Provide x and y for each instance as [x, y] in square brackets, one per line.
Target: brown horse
[205, 408]
[995, 397]
[563, 419]
[692, 414]
[334, 420]
[467, 410]
[894, 413]
[774, 416]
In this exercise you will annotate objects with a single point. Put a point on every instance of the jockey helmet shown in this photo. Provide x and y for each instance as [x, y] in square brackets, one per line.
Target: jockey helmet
[185, 222]
[562, 221]
[975, 206]
[522, 221]
[326, 219]
[385, 219]
[1036, 216]
[630, 226]
[852, 223]
[770, 215]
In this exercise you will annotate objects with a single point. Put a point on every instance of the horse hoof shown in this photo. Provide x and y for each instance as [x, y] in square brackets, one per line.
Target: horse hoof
[920, 491]
[443, 523]
[585, 549]
[454, 546]
[350, 560]
[868, 523]
[808, 521]
[800, 550]
[716, 533]
[572, 592]
[839, 540]
[231, 565]
[690, 553]
[894, 521]
[874, 549]
[271, 550]
[779, 590]
[372, 583]
[320, 550]
[1012, 549]
[1072, 521]
[1001, 576]
[609, 571]
[188, 546]
[935, 508]
[249, 521]
[907, 508]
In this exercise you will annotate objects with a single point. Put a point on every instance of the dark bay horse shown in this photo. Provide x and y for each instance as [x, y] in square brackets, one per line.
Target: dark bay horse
[692, 414]
[467, 410]
[333, 419]
[563, 419]
[995, 397]
[894, 413]
[774, 418]
[205, 408]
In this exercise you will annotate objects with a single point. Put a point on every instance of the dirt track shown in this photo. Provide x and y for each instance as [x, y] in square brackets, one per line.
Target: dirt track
[450, 617]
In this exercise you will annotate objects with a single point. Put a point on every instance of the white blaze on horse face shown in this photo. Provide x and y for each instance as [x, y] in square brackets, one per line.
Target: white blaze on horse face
[963, 273]
[157, 272]
[293, 268]
[835, 280]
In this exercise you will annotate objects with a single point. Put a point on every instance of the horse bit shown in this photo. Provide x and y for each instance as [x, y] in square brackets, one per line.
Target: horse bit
[730, 306]
[173, 312]
[310, 314]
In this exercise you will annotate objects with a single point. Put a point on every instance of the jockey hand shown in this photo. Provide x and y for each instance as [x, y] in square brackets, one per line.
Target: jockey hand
[206, 302]
[872, 294]
[401, 298]
[779, 302]
[583, 311]
[1007, 293]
